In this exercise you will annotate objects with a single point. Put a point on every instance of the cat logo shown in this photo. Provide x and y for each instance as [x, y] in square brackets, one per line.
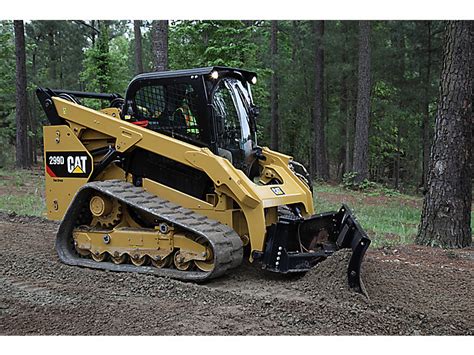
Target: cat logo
[68, 164]
[77, 164]
[277, 191]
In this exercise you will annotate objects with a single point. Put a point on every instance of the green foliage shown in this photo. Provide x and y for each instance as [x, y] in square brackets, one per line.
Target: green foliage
[7, 93]
[121, 74]
[25, 192]
[106, 64]
[7, 134]
[206, 43]
[388, 220]
[55, 53]
[399, 71]
[370, 188]
[7, 68]
[97, 64]
[349, 182]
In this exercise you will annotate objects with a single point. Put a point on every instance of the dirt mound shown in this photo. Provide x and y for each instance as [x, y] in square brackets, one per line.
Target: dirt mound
[426, 296]
[329, 278]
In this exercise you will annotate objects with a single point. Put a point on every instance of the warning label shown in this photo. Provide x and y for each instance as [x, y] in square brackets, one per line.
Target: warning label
[277, 191]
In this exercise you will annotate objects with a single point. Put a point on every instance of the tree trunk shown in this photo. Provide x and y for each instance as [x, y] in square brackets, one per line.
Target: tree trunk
[29, 140]
[426, 130]
[34, 116]
[320, 163]
[34, 129]
[350, 121]
[52, 65]
[275, 124]
[93, 32]
[138, 47]
[361, 143]
[159, 44]
[344, 110]
[22, 156]
[349, 128]
[398, 38]
[445, 219]
[396, 163]
[103, 65]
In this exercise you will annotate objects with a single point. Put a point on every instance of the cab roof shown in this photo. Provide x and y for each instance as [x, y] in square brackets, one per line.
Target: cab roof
[248, 75]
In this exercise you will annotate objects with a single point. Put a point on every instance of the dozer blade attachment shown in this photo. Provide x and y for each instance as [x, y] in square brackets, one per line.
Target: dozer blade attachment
[297, 244]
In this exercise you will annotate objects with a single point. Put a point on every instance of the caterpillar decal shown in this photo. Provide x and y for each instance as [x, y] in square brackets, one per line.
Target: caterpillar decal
[68, 164]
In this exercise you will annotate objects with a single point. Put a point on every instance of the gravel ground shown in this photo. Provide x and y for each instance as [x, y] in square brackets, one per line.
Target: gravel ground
[412, 291]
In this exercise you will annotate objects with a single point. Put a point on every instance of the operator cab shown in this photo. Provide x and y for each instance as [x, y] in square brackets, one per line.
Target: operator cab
[209, 107]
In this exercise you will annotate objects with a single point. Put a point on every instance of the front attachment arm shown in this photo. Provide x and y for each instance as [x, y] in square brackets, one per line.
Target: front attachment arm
[351, 235]
[297, 245]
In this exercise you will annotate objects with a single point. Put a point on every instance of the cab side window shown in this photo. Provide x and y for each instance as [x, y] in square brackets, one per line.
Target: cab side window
[170, 109]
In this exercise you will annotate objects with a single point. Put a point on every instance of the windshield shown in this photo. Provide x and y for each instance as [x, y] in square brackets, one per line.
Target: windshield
[231, 111]
[231, 104]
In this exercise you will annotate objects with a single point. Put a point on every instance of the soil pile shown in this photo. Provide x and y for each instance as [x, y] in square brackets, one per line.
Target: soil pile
[329, 278]
[435, 300]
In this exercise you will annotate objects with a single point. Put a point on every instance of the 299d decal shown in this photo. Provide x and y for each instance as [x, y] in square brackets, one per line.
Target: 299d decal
[68, 164]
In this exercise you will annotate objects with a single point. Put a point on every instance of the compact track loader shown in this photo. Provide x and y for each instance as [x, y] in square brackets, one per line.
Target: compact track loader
[169, 180]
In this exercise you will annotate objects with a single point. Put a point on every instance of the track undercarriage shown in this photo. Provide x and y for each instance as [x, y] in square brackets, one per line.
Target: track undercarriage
[120, 227]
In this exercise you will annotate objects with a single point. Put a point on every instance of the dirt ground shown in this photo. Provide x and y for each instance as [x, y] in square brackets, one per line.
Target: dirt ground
[412, 291]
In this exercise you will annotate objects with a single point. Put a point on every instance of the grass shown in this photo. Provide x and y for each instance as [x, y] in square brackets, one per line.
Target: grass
[21, 192]
[388, 220]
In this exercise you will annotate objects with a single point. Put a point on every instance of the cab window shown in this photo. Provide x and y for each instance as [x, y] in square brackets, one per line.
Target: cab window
[170, 108]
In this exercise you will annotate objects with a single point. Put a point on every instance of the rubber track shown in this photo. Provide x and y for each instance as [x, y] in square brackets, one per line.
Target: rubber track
[226, 243]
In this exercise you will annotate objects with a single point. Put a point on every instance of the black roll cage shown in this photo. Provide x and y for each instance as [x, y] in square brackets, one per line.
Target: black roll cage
[199, 78]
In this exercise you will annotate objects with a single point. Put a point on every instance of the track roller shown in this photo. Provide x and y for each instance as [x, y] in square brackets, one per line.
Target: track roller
[163, 263]
[139, 260]
[179, 262]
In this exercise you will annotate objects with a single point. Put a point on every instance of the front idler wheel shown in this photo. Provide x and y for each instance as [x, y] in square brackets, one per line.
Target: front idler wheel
[208, 264]
[83, 252]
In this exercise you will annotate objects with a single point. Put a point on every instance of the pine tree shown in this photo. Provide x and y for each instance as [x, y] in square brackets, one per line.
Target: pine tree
[275, 126]
[138, 46]
[361, 143]
[425, 127]
[22, 156]
[319, 149]
[446, 214]
[159, 38]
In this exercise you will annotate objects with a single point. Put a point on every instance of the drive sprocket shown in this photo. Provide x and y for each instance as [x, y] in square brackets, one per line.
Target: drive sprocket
[107, 212]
